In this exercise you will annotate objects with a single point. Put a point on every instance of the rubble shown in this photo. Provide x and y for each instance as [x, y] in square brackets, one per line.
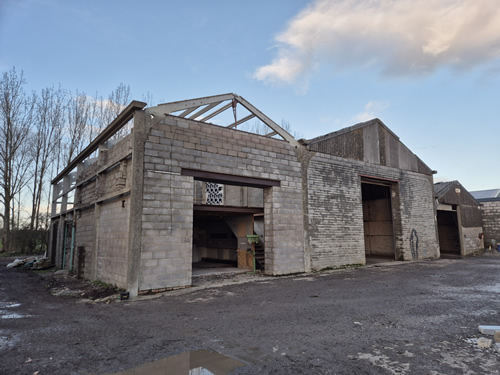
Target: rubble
[32, 262]
[483, 342]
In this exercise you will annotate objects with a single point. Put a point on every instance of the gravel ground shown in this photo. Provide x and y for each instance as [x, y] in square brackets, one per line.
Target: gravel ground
[410, 318]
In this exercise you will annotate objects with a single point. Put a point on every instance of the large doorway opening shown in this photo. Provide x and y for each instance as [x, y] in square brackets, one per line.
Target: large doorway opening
[449, 237]
[228, 221]
[378, 222]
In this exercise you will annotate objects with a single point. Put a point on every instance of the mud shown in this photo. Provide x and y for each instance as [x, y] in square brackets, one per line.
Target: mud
[416, 318]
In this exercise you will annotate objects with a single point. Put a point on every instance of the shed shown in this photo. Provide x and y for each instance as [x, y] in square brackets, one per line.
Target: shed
[490, 206]
[459, 219]
[369, 198]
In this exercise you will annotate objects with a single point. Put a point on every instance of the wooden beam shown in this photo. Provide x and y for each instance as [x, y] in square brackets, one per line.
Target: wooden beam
[188, 111]
[186, 104]
[215, 113]
[239, 122]
[266, 120]
[203, 110]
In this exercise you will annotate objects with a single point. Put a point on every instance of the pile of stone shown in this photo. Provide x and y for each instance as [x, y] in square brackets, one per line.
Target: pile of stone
[484, 342]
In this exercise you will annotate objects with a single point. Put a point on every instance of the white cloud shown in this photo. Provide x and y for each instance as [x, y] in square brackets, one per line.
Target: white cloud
[399, 37]
[371, 110]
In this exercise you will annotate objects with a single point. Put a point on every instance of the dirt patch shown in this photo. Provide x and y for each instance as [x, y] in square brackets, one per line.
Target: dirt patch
[70, 286]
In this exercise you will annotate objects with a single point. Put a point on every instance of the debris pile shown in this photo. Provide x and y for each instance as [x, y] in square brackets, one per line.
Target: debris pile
[484, 342]
[33, 263]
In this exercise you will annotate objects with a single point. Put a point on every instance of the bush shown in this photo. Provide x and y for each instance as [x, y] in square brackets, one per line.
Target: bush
[26, 241]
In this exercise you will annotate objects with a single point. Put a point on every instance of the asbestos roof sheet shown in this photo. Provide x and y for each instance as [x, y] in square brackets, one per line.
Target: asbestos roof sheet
[486, 194]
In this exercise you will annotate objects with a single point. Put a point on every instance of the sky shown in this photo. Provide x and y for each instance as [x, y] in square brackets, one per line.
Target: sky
[429, 69]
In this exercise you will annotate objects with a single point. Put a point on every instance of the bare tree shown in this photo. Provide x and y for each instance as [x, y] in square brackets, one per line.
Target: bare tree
[49, 118]
[77, 127]
[117, 101]
[16, 118]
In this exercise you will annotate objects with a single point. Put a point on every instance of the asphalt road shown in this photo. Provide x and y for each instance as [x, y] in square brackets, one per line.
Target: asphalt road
[414, 318]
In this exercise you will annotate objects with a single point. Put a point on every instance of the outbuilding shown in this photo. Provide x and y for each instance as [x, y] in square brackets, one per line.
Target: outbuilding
[192, 182]
[459, 220]
[490, 206]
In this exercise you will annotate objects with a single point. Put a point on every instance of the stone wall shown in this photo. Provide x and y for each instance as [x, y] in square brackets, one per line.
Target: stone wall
[335, 233]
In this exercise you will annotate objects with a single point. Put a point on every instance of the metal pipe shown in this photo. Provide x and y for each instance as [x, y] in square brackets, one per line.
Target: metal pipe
[73, 229]
[64, 245]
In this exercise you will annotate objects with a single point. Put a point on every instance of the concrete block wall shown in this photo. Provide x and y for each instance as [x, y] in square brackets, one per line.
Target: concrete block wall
[284, 232]
[491, 221]
[112, 242]
[335, 233]
[85, 230]
[471, 240]
[167, 230]
[418, 216]
[174, 144]
[86, 194]
[119, 150]
[109, 181]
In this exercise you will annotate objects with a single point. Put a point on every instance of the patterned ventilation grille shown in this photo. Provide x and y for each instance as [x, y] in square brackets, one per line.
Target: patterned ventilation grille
[215, 193]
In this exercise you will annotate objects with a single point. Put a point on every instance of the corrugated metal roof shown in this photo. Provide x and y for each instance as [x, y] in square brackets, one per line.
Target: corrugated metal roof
[486, 194]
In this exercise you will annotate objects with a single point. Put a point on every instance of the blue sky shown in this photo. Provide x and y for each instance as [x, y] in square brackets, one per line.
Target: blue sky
[429, 69]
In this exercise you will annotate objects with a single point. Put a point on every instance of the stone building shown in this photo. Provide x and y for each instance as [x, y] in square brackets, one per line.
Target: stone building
[459, 219]
[140, 210]
[490, 206]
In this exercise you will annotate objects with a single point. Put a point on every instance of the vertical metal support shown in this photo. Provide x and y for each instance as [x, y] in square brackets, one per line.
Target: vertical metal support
[73, 230]
[64, 244]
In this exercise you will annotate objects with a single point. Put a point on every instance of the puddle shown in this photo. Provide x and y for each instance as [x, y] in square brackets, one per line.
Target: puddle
[197, 362]
[10, 315]
[6, 314]
[4, 305]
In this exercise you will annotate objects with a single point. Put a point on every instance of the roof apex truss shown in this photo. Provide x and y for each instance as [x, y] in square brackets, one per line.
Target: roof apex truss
[209, 106]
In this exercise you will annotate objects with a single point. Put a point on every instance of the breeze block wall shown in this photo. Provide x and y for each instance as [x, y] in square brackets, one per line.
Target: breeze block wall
[491, 221]
[174, 144]
[112, 255]
[335, 233]
[102, 214]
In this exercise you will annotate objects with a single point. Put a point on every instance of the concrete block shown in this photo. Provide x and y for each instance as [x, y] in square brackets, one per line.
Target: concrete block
[488, 330]
[496, 336]
[497, 347]
[483, 342]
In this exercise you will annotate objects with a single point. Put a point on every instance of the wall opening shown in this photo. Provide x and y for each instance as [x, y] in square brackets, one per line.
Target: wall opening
[378, 222]
[449, 237]
[214, 244]
[223, 216]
